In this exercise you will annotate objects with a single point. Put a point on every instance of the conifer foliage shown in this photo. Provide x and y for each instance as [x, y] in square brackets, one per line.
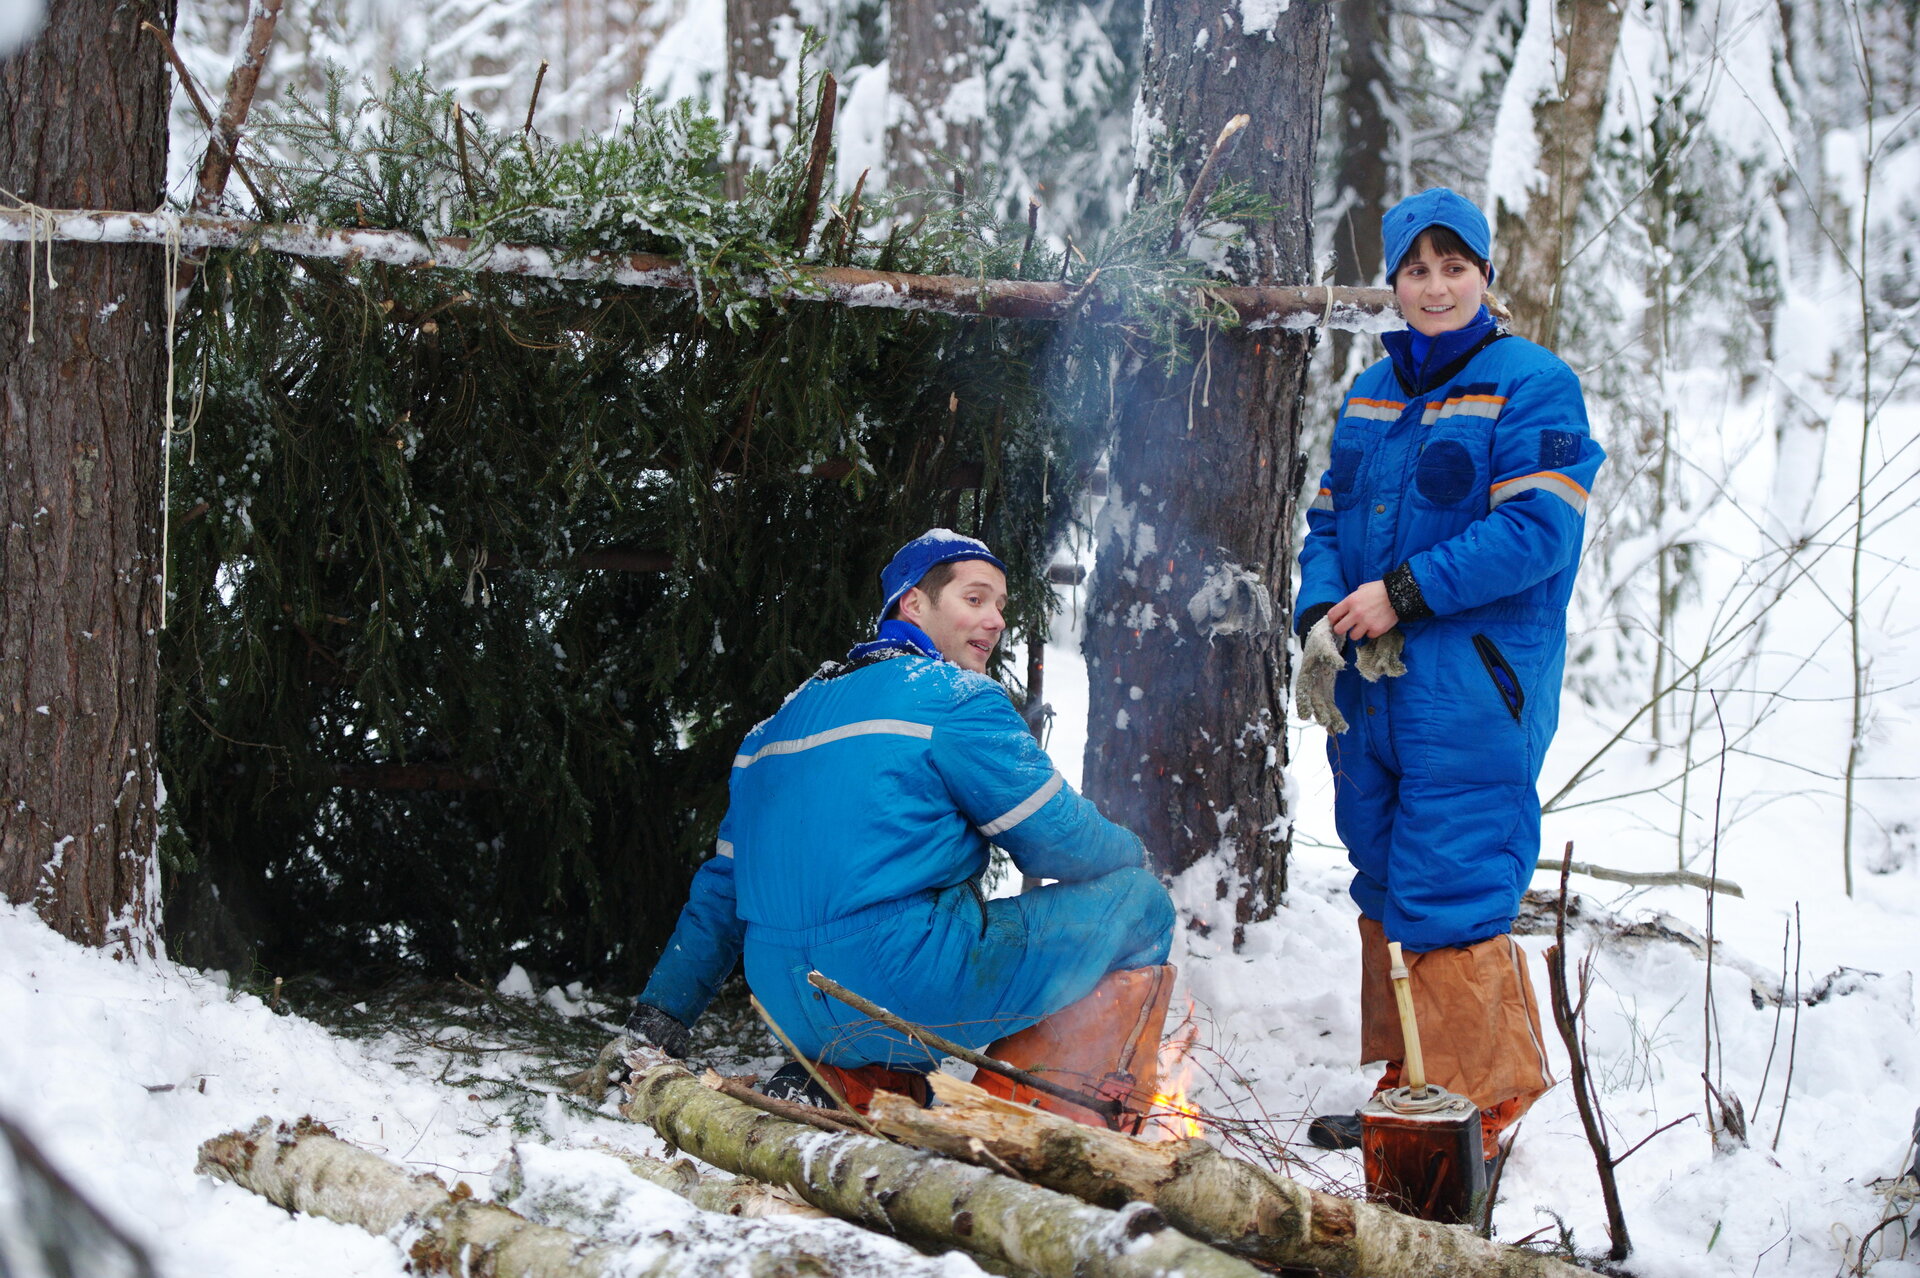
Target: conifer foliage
[403, 721]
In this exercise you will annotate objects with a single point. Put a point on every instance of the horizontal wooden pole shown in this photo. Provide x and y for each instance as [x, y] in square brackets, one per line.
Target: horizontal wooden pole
[1292, 308]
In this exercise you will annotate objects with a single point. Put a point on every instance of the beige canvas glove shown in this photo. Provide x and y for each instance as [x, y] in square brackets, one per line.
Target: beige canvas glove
[1379, 657]
[1320, 661]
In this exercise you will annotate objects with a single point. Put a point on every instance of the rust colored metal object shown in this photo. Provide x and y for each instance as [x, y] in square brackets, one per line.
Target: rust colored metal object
[1426, 1162]
[1420, 1143]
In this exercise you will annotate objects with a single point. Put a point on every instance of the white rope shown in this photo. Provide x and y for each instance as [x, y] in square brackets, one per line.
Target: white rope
[41, 225]
[171, 221]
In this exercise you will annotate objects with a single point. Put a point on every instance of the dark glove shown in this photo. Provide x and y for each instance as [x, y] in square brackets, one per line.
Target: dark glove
[648, 1024]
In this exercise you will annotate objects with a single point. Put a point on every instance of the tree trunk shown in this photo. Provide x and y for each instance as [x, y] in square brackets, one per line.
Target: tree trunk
[922, 1198]
[1534, 230]
[1361, 182]
[83, 114]
[305, 1168]
[763, 46]
[1204, 1193]
[936, 96]
[1186, 635]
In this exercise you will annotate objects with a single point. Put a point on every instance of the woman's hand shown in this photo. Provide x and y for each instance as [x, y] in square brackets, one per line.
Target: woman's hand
[1365, 613]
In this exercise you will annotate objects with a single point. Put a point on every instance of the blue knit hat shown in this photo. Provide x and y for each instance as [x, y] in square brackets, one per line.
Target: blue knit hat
[1436, 206]
[920, 556]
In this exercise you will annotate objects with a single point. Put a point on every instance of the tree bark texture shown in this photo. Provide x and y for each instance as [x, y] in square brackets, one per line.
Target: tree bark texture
[1186, 638]
[1204, 1193]
[936, 98]
[305, 1168]
[1532, 243]
[729, 1197]
[1361, 180]
[763, 39]
[83, 113]
[922, 1198]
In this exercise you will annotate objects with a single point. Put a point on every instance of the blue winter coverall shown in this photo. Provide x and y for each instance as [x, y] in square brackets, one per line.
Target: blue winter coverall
[1461, 480]
[855, 842]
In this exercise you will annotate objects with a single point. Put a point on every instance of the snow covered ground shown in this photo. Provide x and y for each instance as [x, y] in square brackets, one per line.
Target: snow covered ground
[119, 1070]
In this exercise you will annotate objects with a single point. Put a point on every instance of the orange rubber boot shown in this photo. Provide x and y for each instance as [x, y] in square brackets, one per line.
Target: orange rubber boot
[1107, 1044]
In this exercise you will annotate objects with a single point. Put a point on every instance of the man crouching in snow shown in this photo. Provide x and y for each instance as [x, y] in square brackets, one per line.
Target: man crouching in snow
[855, 840]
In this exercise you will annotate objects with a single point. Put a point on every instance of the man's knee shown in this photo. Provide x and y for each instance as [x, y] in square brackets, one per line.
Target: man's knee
[1143, 912]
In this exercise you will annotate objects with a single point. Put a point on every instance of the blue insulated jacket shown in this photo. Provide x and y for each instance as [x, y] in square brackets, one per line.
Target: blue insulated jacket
[1460, 479]
[859, 806]
[1476, 480]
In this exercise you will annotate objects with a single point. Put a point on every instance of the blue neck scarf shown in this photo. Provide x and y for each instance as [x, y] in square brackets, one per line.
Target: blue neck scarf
[1419, 360]
[896, 638]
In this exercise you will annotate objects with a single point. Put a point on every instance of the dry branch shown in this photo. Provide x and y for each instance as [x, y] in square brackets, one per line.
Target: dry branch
[223, 147]
[1206, 1194]
[1363, 310]
[1659, 878]
[921, 1197]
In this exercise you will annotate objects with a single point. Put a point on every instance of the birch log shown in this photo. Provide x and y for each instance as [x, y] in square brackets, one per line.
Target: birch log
[1229, 1203]
[1365, 310]
[305, 1168]
[920, 1197]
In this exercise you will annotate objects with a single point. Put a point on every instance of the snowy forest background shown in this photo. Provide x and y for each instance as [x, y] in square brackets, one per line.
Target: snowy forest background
[1741, 297]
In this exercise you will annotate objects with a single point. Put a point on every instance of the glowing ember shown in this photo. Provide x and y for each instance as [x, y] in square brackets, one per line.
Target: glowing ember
[1173, 1116]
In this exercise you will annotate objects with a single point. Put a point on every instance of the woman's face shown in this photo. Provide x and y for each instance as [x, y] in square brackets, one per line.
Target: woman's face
[1438, 292]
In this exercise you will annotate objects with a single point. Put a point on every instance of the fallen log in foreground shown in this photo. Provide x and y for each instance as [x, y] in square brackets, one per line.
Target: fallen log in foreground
[306, 1168]
[923, 1198]
[1209, 1195]
[739, 1197]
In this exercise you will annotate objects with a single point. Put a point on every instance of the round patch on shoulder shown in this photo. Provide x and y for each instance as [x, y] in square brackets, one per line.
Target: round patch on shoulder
[1445, 474]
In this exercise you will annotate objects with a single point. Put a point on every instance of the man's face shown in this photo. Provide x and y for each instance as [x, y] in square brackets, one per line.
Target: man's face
[964, 622]
[1438, 292]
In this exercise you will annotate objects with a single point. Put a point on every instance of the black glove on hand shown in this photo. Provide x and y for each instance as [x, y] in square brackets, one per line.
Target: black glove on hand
[650, 1025]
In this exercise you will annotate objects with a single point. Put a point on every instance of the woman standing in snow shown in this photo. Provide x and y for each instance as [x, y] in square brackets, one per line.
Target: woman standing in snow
[1442, 548]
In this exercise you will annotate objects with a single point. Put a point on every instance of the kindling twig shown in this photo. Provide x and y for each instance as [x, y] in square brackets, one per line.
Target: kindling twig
[827, 1120]
[946, 1047]
[1204, 180]
[809, 1066]
[1566, 1020]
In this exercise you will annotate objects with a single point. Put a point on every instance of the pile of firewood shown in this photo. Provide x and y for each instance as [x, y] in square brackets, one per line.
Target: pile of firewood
[1020, 1191]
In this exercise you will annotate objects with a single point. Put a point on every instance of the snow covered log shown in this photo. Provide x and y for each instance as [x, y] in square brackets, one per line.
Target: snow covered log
[923, 1198]
[1363, 310]
[1227, 1202]
[306, 1168]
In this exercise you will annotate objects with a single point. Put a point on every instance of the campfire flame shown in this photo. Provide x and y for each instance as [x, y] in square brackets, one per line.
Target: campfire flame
[1172, 1115]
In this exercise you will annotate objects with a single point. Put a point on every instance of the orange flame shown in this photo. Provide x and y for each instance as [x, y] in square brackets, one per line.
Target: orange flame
[1173, 1115]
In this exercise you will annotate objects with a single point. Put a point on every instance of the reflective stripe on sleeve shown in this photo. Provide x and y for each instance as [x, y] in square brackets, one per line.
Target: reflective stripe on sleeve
[722, 848]
[1025, 808]
[863, 728]
[1324, 501]
[1550, 481]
